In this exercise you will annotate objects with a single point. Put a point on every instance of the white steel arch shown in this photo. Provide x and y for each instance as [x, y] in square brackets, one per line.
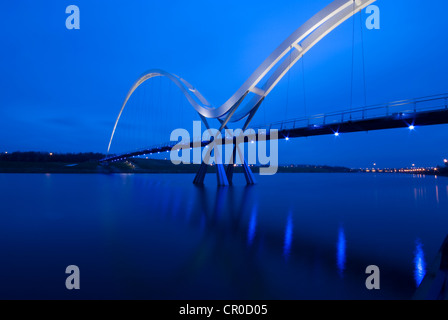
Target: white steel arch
[269, 73]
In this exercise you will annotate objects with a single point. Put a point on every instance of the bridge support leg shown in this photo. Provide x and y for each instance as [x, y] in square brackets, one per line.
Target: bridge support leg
[231, 165]
[229, 173]
[248, 174]
[221, 175]
[200, 175]
[250, 179]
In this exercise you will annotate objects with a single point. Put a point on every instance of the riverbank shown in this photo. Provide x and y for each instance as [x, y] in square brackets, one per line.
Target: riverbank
[143, 166]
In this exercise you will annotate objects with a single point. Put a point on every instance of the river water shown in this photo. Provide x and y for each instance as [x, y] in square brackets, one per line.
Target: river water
[157, 236]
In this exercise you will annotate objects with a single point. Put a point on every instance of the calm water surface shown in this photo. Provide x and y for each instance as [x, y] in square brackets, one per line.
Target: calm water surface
[291, 236]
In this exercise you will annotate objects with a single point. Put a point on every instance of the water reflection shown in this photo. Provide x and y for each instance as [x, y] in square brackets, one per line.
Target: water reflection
[420, 193]
[252, 226]
[341, 251]
[165, 238]
[419, 262]
[288, 237]
[437, 194]
[226, 228]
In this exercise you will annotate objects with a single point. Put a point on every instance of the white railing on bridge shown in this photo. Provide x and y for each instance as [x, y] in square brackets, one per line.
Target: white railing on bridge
[431, 103]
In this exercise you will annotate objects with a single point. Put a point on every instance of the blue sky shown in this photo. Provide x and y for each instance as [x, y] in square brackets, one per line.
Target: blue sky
[61, 89]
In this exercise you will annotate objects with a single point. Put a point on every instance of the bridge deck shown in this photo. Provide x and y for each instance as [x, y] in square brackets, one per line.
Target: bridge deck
[390, 122]
[402, 114]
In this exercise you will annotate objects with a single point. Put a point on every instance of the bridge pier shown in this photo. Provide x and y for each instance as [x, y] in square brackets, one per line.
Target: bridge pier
[221, 175]
[231, 165]
[229, 173]
[224, 176]
[250, 179]
[200, 175]
[248, 174]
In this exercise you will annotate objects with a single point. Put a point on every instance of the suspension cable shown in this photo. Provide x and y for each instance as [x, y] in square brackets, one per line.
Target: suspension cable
[303, 83]
[353, 61]
[287, 90]
[363, 59]
[181, 105]
[264, 112]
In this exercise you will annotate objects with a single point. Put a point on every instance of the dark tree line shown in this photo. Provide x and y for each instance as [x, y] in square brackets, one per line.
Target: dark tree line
[51, 157]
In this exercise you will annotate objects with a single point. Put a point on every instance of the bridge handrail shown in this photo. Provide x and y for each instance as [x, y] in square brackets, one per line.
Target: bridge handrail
[385, 106]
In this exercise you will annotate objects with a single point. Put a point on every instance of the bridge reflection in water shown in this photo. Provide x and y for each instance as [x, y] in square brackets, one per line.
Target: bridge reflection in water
[241, 236]
[160, 237]
[341, 251]
[288, 237]
[419, 263]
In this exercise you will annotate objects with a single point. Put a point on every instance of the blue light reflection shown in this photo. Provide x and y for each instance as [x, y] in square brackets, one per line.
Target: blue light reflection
[419, 262]
[341, 251]
[288, 237]
[252, 227]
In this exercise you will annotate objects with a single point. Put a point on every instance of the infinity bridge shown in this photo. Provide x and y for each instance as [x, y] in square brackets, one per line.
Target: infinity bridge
[245, 102]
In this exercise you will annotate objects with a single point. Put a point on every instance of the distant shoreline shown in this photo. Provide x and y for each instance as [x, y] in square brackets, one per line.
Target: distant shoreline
[154, 166]
[142, 166]
[89, 162]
